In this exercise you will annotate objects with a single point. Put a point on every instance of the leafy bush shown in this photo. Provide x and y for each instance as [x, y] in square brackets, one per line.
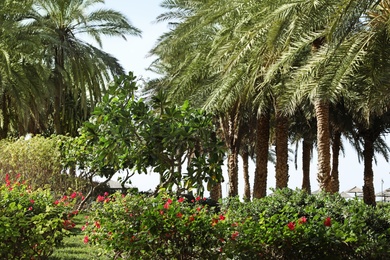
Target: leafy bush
[32, 222]
[288, 225]
[154, 228]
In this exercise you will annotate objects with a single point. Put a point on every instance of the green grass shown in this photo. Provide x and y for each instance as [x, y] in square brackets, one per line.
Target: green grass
[73, 247]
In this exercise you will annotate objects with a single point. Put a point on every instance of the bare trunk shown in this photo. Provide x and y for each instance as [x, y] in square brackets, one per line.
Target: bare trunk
[336, 144]
[281, 167]
[216, 192]
[306, 157]
[233, 173]
[368, 153]
[323, 144]
[262, 145]
[245, 162]
[5, 103]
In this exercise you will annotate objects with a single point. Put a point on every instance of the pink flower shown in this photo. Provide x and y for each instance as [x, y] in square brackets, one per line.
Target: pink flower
[327, 222]
[105, 194]
[30, 208]
[83, 228]
[291, 225]
[86, 239]
[100, 198]
[181, 199]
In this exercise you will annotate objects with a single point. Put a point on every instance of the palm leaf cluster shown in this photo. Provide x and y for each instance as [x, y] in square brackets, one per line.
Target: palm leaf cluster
[51, 76]
[276, 72]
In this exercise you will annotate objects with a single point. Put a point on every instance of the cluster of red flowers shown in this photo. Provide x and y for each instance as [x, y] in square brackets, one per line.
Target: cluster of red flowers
[302, 220]
[103, 198]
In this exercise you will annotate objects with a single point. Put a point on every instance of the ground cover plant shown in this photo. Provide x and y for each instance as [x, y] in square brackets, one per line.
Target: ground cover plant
[288, 225]
[32, 221]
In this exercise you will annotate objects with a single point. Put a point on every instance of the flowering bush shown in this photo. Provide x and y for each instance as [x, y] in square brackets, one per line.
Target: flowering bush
[32, 222]
[288, 225]
[155, 228]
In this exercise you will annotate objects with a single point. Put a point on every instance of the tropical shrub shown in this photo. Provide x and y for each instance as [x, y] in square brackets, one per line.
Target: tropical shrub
[142, 227]
[287, 225]
[32, 222]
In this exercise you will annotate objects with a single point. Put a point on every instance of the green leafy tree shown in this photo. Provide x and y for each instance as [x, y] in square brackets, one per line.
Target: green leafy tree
[177, 142]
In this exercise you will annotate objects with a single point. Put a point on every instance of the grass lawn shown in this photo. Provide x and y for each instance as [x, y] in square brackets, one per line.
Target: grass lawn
[74, 247]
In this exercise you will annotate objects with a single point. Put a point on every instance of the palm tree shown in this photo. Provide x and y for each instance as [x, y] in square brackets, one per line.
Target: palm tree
[79, 70]
[21, 72]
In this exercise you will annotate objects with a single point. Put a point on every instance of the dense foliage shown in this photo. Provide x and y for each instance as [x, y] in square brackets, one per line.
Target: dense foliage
[287, 225]
[32, 222]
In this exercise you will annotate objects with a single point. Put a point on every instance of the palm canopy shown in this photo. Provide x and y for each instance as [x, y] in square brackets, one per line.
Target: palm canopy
[79, 70]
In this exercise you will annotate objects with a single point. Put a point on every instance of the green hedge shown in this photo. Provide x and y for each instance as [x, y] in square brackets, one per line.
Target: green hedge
[38, 160]
[288, 225]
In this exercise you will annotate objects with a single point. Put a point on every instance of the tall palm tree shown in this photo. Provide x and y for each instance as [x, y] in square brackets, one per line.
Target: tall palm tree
[79, 69]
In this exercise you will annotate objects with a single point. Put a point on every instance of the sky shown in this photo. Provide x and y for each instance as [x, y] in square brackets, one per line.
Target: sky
[132, 54]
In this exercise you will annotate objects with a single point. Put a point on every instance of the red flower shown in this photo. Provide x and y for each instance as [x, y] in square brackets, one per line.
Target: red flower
[64, 198]
[32, 201]
[198, 198]
[30, 208]
[198, 208]
[7, 181]
[302, 220]
[169, 201]
[235, 235]
[179, 215]
[100, 198]
[221, 217]
[327, 222]
[214, 222]
[56, 202]
[86, 239]
[161, 212]
[74, 195]
[105, 194]
[82, 228]
[291, 225]
[97, 224]
[191, 218]
[181, 199]
[166, 205]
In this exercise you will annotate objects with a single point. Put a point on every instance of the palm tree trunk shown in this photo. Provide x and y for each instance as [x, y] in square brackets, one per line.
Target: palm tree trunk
[336, 144]
[5, 103]
[262, 145]
[245, 164]
[216, 192]
[306, 157]
[281, 167]
[323, 144]
[233, 172]
[368, 187]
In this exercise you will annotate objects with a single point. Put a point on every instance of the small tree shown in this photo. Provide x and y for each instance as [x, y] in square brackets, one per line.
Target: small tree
[126, 133]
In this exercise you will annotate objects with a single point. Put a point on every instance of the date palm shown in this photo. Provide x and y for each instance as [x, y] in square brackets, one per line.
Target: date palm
[79, 69]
